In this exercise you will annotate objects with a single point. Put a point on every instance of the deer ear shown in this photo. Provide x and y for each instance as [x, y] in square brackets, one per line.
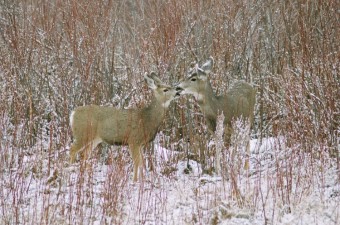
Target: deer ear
[208, 65]
[152, 80]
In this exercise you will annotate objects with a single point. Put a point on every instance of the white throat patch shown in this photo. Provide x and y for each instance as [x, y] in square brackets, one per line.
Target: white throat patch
[166, 104]
[199, 96]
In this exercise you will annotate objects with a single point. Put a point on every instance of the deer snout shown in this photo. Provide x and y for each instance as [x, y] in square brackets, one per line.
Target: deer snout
[178, 90]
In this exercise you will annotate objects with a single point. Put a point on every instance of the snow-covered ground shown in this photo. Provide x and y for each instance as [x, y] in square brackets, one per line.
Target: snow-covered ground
[105, 194]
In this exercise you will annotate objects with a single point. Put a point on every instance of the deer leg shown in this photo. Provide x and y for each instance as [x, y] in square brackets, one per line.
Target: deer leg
[137, 159]
[84, 149]
[89, 147]
[74, 150]
[140, 168]
[246, 164]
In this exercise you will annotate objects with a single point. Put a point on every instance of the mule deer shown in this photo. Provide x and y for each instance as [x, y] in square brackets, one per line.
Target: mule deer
[94, 124]
[238, 101]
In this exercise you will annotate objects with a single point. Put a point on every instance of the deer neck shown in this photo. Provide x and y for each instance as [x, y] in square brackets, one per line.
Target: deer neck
[154, 113]
[208, 103]
[208, 100]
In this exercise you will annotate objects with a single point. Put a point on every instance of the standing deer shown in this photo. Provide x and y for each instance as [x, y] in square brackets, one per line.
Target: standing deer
[94, 124]
[238, 101]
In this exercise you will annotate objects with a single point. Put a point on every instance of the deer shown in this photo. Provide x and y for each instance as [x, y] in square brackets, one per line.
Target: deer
[134, 127]
[237, 102]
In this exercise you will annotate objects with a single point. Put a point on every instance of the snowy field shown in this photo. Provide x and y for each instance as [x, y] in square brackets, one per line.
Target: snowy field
[105, 194]
[58, 55]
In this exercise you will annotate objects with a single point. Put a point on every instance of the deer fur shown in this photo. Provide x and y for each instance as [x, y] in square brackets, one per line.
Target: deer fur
[238, 101]
[135, 127]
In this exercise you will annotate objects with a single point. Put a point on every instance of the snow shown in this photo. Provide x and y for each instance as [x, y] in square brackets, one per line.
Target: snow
[103, 194]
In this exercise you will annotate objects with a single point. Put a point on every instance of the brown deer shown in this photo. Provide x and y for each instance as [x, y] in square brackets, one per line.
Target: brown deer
[238, 101]
[136, 127]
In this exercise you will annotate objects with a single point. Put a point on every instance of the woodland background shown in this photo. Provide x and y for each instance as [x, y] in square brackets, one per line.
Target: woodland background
[56, 55]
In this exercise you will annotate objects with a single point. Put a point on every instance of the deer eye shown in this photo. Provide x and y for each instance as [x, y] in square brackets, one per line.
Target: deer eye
[193, 79]
[165, 90]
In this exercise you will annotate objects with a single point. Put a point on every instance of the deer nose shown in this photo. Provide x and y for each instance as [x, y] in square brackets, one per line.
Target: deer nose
[179, 89]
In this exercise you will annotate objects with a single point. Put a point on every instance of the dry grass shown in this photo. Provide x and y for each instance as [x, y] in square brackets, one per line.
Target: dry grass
[56, 55]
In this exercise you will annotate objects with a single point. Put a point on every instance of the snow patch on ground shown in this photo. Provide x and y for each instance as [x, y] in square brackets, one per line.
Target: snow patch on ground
[94, 196]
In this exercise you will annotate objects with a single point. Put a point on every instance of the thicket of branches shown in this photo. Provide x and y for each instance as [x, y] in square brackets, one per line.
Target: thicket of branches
[56, 55]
